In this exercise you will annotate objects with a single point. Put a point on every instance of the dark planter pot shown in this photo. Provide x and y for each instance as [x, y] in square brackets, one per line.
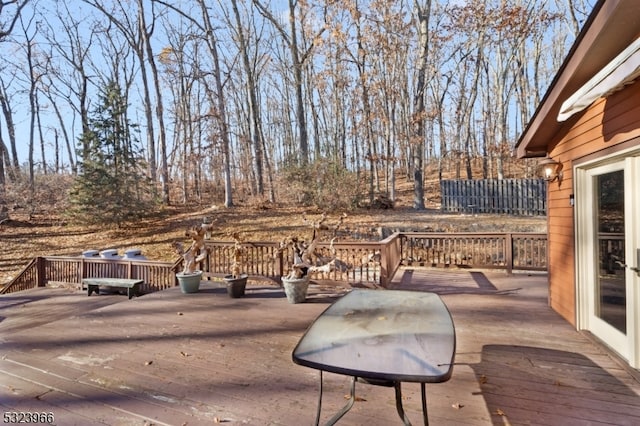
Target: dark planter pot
[236, 286]
[296, 289]
[189, 283]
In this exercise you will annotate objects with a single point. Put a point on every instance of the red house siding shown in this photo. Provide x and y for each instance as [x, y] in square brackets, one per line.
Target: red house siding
[600, 130]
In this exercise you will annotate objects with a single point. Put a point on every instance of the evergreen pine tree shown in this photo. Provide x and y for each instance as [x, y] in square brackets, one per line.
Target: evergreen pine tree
[111, 187]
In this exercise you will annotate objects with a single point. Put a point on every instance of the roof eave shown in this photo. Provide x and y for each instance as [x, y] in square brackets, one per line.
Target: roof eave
[612, 25]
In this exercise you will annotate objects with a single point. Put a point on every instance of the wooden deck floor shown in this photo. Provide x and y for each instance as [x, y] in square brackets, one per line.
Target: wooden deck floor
[170, 358]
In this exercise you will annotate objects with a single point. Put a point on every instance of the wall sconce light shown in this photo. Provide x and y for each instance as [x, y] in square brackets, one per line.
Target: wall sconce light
[550, 170]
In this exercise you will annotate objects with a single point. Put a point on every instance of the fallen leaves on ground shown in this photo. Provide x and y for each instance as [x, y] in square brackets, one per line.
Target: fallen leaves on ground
[48, 235]
[357, 398]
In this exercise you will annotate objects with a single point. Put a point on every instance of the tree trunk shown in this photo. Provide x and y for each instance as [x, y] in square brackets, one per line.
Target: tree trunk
[301, 118]
[11, 129]
[212, 44]
[255, 126]
[419, 114]
[162, 136]
[290, 38]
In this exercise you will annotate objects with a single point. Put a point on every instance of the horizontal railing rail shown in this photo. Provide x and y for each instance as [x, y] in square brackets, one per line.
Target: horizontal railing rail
[357, 263]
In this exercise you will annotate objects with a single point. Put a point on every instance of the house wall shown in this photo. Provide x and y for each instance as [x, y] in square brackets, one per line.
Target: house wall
[608, 125]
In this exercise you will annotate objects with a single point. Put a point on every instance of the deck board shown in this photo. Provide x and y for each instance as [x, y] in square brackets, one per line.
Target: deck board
[169, 358]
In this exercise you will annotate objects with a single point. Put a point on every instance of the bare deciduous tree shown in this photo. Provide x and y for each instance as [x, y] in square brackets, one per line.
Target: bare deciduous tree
[244, 90]
[255, 121]
[423, 14]
[299, 55]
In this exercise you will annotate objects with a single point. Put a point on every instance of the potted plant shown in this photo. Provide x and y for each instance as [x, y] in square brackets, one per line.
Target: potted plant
[190, 277]
[236, 281]
[306, 260]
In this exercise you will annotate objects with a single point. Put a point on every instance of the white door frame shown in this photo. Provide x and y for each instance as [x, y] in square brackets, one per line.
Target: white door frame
[627, 345]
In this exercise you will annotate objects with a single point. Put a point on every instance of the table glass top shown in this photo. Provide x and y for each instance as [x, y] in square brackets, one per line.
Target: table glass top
[382, 334]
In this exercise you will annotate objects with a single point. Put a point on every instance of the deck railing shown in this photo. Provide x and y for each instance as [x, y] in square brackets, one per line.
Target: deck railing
[523, 251]
[357, 262]
[68, 270]
[369, 263]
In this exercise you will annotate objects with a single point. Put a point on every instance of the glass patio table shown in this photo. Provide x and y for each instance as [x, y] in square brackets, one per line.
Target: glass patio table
[381, 337]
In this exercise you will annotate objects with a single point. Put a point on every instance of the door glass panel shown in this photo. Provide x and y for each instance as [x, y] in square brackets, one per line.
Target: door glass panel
[611, 299]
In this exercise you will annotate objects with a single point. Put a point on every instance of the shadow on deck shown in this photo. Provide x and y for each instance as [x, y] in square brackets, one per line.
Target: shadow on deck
[169, 358]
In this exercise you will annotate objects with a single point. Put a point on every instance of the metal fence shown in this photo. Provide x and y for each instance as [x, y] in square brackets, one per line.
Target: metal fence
[522, 197]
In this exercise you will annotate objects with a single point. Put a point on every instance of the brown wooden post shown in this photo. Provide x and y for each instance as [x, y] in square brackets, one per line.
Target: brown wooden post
[40, 268]
[206, 263]
[82, 270]
[508, 240]
[280, 270]
[384, 265]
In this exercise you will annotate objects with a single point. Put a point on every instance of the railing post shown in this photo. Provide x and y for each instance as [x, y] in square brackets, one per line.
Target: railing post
[81, 270]
[384, 265]
[41, 271]
[509, 251]
[280, 270]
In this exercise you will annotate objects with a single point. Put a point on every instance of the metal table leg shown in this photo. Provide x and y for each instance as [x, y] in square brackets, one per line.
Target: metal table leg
[319, 401]
[400, 408]
[352, 399]
[343, 411]
[425, 416]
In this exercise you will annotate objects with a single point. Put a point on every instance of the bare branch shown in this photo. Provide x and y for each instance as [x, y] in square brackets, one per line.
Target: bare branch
[4, 32]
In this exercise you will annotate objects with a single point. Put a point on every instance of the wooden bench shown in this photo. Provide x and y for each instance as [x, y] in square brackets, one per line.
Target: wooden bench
[94, 284]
